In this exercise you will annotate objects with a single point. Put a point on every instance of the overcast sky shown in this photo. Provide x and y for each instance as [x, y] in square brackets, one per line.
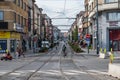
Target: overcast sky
[60, 8]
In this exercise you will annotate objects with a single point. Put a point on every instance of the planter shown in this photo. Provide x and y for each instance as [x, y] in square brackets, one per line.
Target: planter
[102, 55]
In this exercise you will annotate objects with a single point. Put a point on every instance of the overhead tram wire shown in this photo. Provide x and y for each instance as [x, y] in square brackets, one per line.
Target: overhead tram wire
[64, 6]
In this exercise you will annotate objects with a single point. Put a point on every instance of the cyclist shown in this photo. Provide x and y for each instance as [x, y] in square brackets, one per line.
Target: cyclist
[64, 49]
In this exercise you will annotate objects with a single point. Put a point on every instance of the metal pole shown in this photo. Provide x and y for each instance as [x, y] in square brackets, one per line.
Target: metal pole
[33, 15]
[97, 36]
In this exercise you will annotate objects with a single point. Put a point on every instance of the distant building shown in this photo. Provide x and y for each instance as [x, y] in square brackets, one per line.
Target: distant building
[80, 25]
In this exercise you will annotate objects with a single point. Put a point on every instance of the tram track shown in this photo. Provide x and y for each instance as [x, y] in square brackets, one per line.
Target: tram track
[34, 73]
[79, 68]
[47, 61]
[28, 78]
[94, 75]
[61, 70]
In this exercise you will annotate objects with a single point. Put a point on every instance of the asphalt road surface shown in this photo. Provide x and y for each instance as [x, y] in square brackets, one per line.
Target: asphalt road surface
[54, 66]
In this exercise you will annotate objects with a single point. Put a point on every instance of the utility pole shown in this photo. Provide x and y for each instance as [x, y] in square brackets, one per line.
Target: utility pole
[33, 31]
[33, 4]
[97, 35]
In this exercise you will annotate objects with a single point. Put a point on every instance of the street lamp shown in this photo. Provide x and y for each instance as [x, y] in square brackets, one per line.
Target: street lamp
[97, 35]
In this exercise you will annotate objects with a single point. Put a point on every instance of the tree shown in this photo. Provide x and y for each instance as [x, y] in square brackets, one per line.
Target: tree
[75, 34]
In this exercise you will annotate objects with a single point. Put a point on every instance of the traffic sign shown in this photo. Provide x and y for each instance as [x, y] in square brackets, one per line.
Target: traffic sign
[87, 39]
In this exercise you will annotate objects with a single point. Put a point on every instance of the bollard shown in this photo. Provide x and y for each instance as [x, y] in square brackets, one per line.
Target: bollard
[104, 50]
[101, 50]
[111, 56]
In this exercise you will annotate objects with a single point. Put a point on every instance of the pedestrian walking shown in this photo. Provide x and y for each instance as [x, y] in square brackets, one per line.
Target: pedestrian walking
[17, 53]
[64, 51]
[20, 52]
[56, 47]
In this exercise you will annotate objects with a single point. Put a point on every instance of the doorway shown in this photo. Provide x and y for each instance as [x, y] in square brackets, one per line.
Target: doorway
[114, 42]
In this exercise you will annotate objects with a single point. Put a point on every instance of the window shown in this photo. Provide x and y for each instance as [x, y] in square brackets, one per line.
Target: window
[14, 17]
[1, 15]
[1, 0]
[18, 2]
[24, 6]
[15, 1]
[19, 19]
[115, 16]
[110, 1]
[22, 20]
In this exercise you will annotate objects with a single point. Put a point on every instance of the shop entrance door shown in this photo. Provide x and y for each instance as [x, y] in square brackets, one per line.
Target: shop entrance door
[116, 45]
[114, 36]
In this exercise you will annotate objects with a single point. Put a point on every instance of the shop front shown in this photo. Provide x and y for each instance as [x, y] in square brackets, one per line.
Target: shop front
[9, 41]
[4, 36]
[114, 42]
[14, 41]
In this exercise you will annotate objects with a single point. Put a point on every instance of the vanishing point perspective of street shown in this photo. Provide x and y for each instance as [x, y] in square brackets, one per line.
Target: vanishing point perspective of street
[53, 65]
[59, 39]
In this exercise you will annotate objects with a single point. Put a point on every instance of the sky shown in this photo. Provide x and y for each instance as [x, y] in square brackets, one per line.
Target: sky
[61, 9]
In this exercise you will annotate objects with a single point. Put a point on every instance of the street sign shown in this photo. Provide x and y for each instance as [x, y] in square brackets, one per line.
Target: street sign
[88, 41]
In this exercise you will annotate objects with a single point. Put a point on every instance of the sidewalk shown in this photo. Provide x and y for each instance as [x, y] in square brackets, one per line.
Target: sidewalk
[92, 63]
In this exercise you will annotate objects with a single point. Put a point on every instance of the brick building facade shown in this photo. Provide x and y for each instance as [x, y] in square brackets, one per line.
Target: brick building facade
[13, 24]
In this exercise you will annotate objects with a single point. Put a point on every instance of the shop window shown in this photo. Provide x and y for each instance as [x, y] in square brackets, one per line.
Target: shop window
[12, 46]
[3, 46]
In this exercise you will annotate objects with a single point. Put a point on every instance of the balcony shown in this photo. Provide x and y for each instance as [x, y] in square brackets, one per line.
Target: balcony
[110, 6]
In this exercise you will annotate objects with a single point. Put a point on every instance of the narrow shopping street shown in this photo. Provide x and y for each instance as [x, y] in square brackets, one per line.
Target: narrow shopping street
[53, 66]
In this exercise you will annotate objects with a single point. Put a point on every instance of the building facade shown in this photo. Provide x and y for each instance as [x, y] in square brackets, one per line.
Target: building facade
[108, 23]
[35, 30]
[13, 24]
[80, 25]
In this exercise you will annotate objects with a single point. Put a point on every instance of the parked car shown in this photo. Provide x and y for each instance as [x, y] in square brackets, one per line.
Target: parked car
[45, 44]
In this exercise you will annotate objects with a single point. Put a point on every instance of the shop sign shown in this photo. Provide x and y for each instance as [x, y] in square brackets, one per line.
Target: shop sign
[15, 35]
[4, 34]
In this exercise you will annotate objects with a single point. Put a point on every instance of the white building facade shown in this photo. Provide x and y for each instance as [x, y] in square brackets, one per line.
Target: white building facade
[108, 23]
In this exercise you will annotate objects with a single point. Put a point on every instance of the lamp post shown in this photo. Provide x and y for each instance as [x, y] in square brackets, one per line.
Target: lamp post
[97, 35]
